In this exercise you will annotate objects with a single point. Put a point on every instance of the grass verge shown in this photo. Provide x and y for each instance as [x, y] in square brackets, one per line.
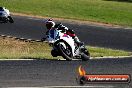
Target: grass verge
[106, 11]
[100, 52]
[15, 49]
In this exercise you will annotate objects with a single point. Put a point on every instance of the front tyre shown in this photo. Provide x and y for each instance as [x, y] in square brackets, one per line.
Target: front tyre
[65, 51]
[54, 53]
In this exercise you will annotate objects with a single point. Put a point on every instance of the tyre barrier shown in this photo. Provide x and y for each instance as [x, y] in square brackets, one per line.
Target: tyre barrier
[21, 39]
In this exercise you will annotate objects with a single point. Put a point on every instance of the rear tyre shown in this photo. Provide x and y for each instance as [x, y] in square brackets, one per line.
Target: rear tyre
[11, 19]
[85, 57]
[65, 53]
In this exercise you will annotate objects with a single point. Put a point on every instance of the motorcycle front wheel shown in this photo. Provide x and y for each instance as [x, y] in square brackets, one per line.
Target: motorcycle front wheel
[65, 51]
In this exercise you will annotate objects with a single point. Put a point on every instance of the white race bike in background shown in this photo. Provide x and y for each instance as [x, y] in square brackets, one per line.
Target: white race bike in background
[64, 45]
[5, 16]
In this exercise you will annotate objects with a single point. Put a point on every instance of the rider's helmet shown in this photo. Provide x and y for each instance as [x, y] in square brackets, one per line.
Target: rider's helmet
[50, 24]
[1, 9]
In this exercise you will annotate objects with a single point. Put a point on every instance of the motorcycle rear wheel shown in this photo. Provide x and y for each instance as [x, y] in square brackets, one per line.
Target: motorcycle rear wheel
[11, 19]
[85, 57]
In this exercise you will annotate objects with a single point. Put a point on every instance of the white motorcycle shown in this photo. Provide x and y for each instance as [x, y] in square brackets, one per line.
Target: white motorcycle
[5, 16]
[64, 45]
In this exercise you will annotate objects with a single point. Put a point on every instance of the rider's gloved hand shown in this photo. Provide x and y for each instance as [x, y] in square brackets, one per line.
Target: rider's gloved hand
[47, 32]
[63, 31]
[71, 31]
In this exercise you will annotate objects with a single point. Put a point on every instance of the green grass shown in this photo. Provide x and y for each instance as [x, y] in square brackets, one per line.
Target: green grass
[106, 11]
[13, 49]
[100, 52]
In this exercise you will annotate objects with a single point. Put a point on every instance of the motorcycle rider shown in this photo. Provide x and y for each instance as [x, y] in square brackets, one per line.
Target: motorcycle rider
[50, 24]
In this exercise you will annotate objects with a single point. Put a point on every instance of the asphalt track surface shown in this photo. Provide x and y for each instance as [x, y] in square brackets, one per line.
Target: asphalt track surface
[40, 73]
[34, 28]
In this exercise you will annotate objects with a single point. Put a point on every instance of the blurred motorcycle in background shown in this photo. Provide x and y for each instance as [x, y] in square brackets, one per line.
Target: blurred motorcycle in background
[5, 16]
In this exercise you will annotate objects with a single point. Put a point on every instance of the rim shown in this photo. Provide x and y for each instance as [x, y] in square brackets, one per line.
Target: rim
[67, 51]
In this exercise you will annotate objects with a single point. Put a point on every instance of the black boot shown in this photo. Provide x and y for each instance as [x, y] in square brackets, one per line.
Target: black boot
[78, 42]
